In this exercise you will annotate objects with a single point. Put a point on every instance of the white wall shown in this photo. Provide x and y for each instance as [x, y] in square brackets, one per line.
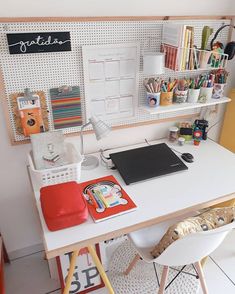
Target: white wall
[18, 218]
[114, 7]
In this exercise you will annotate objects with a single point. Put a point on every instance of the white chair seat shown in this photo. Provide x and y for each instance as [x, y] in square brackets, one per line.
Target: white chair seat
[188, 250]
[144, 240]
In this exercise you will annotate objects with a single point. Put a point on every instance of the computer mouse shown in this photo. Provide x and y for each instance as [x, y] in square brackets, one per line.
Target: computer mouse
[188, 157]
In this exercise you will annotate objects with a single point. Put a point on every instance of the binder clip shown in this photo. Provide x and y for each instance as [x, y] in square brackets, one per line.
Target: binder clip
[52, 157]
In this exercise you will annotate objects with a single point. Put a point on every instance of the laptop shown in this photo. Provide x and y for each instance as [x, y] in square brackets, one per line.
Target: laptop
[146, 162]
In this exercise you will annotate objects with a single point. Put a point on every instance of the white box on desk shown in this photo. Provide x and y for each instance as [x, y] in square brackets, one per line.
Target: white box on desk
[59, 174]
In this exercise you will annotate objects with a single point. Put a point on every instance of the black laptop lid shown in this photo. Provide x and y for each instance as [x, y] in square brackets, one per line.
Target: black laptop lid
[146, 162]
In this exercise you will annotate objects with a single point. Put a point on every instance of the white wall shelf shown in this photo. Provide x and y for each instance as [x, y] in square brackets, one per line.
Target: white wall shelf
[183, 106]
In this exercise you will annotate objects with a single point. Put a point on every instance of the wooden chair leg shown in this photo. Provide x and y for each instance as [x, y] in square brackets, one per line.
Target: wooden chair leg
[203, 261]
[132, 264]
[163, 280]
[201, 277]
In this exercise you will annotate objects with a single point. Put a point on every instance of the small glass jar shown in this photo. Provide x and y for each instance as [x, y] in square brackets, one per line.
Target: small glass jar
[173, 134]
[181, 141]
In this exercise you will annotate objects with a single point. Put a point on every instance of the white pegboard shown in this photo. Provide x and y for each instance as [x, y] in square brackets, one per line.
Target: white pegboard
[48, 70]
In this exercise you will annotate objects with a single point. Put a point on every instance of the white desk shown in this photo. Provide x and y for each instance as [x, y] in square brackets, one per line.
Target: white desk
[209, 180]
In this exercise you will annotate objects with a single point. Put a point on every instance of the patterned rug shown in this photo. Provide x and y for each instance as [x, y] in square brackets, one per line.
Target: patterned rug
[142, 279]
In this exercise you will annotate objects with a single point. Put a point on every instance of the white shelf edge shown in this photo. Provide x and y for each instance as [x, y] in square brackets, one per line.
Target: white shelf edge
[183, 106]
[192, 70]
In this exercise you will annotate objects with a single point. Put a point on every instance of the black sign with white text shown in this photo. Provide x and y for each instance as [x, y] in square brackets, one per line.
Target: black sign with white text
[23, 43]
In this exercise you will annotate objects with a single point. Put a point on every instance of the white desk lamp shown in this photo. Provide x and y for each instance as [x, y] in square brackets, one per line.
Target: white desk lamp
[101, 130]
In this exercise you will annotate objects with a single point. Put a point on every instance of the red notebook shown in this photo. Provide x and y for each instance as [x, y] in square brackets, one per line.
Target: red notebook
[106, 198]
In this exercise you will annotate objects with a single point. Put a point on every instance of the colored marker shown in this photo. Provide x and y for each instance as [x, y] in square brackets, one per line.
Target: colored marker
[92, 198]
[97, 199]
[102, 198]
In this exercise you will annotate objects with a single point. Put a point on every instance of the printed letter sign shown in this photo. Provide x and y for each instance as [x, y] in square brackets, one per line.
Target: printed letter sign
[24, 43]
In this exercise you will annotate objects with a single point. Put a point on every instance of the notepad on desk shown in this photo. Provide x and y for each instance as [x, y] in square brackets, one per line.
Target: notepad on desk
[106, 198]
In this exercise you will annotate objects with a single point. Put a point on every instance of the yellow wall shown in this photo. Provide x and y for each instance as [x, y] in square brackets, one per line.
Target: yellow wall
[227, 136]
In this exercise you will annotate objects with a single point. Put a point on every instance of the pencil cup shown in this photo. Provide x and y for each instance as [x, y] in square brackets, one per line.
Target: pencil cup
[153, 99]
[205, 94]
[218, 91]
[204, 58]
[166, 98]
[193, 95]
[180, 96]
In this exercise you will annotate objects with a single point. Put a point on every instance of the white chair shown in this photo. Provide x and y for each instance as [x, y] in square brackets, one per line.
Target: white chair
[188, 250]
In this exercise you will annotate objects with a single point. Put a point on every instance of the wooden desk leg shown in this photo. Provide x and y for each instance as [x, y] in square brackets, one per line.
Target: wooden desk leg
[71, 271]
[100, 269]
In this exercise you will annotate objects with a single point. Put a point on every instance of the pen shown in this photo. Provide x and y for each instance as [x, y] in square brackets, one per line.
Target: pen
[164, 87]
[200, 82]
[100, 203]
[114, 203]
[219, 76]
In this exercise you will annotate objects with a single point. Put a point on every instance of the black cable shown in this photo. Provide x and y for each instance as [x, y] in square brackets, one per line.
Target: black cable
[175, 277]
[184, 272]
[222, 270]
[102, 154]
[213, 125]
[147, 142]
[154, 265]
[217, 32]
[103, 161]
[175, 150]
[53, 291]
[106, 159]
[211, 128]
[197, 276]
[167, 145]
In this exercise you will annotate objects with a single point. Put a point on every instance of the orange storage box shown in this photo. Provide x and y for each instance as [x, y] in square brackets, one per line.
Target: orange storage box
[63, 205]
